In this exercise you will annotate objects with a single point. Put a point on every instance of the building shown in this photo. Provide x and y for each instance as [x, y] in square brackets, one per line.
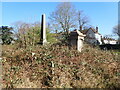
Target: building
[92, 36]
[107, 40]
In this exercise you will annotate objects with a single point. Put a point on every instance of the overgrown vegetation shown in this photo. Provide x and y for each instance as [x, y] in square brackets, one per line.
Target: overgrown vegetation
[26, 64]
[27, 34]
[57, 66]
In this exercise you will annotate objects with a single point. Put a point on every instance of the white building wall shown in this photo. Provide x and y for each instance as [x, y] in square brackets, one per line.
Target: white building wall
[110, 42]
[106, 41]
[113, 42]
[98, 37]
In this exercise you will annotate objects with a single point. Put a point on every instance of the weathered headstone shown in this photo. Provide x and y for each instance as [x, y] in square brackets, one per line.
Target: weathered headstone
[43, 40]
[76, 40]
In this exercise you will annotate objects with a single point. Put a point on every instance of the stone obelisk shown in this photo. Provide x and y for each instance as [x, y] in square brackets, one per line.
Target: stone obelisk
[43, 40]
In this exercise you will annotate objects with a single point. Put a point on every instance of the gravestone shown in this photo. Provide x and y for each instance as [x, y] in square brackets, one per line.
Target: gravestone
[43, 40]
[76, 40]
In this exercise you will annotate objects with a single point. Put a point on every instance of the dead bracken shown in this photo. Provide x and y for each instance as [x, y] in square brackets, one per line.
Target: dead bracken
[91, 68]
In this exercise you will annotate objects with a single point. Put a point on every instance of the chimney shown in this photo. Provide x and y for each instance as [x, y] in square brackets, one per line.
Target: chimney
[80, 27]
[97, 29]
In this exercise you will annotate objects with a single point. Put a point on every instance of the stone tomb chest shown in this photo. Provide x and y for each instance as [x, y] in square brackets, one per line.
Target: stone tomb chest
[76, 39]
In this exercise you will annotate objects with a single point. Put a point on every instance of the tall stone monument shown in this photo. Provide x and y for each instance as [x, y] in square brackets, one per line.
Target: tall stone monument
[43, 40]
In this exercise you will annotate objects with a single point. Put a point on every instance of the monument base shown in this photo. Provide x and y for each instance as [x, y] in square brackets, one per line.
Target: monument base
[43, 43]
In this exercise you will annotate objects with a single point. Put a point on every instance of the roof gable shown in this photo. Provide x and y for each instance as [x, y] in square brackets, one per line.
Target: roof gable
[86, 30]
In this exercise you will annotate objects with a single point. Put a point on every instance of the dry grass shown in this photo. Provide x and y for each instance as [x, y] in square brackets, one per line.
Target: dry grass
[58, 67]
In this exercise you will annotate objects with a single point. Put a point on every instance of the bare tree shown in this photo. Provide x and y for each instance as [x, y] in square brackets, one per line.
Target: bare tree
[82, 19]
[55, 28]
[20, 28]
[116, 31]
[25, 33]
[65, 16]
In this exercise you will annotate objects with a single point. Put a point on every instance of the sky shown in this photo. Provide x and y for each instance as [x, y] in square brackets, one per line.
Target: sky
[60, 0]
[104, 15]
